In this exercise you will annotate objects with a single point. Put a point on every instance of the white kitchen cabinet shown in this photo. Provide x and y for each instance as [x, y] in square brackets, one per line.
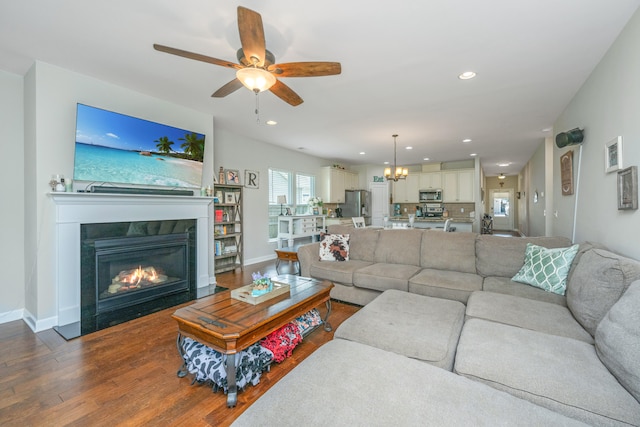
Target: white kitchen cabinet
[407, 190]
[466, 186]
[351, 180]
[457, 186]
[335, 181]
[429, 180]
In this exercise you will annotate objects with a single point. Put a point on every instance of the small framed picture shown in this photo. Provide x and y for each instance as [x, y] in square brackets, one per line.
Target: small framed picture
[613, 155]
[628, 188]
[232, 176]
[251, 179]
[229, 197]
[218, 195]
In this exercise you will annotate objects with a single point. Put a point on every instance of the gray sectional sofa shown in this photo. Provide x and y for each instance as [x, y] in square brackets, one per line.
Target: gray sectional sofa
[445, 337]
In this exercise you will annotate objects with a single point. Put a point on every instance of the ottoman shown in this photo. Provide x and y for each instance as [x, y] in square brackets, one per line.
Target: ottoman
[412, 325]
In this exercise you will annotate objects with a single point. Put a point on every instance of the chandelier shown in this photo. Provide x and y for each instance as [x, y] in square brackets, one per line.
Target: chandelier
[398, 171]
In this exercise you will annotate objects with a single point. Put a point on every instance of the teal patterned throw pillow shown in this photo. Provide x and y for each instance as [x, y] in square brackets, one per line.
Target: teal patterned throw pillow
[546, 268]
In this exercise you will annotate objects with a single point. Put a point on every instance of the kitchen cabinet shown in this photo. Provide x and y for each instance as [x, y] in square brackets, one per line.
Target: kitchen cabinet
[407, 190]
[429, 180]
[335, 181]
[457, 186]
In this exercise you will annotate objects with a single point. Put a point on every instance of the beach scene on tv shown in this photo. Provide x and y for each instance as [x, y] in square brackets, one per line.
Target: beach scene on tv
[120, 149]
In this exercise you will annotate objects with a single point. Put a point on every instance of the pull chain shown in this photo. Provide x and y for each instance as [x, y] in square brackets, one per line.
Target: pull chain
[257, 109]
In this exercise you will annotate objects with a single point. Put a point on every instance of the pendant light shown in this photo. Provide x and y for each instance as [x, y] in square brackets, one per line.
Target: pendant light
[398, 171]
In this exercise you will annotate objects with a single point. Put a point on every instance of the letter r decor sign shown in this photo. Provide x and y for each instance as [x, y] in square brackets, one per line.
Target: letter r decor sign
[251, 179]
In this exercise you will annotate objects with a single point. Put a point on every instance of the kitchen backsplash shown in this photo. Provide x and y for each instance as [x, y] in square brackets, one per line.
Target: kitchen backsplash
[454, 209]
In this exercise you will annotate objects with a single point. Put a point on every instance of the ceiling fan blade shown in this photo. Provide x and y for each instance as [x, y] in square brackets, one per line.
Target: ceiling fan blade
[306, 69]
[196, 56]
[225, 90]
[285, 93]
[251, 35]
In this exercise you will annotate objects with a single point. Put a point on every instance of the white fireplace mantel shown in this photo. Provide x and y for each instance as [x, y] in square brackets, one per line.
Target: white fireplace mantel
[74, 209]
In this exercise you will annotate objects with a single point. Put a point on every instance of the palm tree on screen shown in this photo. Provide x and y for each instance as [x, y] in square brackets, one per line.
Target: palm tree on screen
[163, 144]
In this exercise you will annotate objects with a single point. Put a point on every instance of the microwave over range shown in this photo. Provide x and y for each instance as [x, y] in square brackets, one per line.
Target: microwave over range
[431, 195]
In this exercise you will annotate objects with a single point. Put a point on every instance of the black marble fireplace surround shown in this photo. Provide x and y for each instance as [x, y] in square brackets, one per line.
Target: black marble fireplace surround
[131, 269]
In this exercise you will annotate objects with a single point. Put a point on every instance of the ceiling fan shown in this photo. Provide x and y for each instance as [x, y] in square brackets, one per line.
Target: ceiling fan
[257, 69]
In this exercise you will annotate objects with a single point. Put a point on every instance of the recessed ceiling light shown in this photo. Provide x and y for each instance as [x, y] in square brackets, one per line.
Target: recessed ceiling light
[409, 148]
[272, 122]
[362, 153]
[473, 154]
[503, 165]
[426, 158]
[386, 163]
[467, 75]
[466, 140]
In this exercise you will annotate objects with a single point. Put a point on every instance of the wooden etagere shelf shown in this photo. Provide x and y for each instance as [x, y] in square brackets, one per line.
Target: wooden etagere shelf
[228, 228]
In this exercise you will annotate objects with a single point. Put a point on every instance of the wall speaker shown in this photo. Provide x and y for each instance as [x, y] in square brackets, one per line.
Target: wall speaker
[570, 137]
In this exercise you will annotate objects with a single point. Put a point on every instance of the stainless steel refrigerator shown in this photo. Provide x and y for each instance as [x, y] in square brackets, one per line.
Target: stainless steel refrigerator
[357, 203]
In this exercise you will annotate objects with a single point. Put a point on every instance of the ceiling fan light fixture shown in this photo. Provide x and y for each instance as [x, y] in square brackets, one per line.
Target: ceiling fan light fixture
[255, 79]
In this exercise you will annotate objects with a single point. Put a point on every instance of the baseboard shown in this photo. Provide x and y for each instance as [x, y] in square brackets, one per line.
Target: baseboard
[259, 259]
[10, 316]
[39, 325]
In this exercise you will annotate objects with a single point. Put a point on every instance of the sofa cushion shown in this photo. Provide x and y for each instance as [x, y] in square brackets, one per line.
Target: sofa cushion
[427, 328]
[561, 374]
[504, 256]
[399, 246]
[599, 279]
[445, 284]
[341, 272]
[618, 340]
[362, 241]
[504, 285]
[334, 247]
[546, 268]
[448, 251]
[361, 385]
[382, 276]
[526, 313]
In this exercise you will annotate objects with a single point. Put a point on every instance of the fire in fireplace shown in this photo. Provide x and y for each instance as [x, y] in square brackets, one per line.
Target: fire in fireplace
[130, 270]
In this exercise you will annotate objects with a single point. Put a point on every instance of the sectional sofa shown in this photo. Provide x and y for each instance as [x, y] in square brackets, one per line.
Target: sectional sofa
[446, 337]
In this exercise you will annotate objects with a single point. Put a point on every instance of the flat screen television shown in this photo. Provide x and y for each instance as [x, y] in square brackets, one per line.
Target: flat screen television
[118, 149]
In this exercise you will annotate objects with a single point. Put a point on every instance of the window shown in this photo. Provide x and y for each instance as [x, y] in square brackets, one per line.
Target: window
[305, 188]
[281, 183]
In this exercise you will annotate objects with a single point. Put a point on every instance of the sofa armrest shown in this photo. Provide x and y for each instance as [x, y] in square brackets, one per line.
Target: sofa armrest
[306, 255]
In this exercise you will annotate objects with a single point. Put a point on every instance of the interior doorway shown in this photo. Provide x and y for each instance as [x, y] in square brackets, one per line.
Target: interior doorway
[502, 208]
[379, 202]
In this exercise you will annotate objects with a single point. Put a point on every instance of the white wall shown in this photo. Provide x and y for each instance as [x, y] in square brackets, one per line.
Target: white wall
[237, 152]
[12, 171]
[607, 105]
[536, 168]
[51, 95]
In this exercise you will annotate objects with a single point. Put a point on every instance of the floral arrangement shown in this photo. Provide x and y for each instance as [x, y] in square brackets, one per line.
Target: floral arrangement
[315, 202]
[261, 284]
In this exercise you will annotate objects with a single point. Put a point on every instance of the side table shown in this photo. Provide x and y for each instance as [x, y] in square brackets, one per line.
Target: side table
[290, 255]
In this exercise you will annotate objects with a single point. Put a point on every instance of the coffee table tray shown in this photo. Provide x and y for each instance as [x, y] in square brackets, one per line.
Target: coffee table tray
[244, 293]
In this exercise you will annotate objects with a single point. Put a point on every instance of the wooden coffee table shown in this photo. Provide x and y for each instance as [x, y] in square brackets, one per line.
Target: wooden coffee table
[228, 325]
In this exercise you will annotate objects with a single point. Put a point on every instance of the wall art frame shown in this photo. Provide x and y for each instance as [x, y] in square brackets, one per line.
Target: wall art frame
[251, 179]
[229, 197]
[566, 173]
[232, 176]
[613, 155]
[628, 188]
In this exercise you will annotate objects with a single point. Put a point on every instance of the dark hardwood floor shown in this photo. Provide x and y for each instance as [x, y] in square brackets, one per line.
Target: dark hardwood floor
[125, 375]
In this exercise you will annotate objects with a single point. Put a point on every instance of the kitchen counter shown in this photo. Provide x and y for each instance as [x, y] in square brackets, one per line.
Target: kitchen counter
[404, 218]
[460, 224]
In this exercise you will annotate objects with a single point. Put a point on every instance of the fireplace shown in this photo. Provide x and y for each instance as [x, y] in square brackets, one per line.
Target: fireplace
[131, 269]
